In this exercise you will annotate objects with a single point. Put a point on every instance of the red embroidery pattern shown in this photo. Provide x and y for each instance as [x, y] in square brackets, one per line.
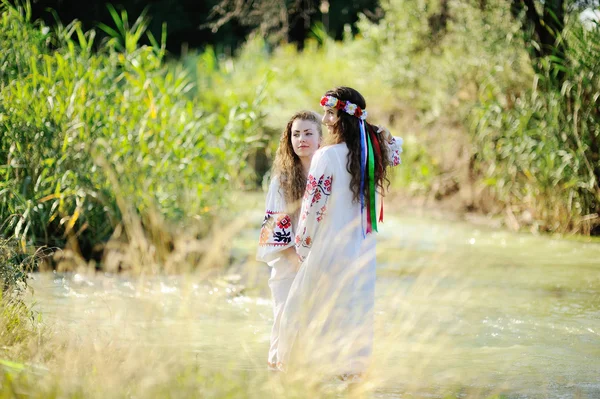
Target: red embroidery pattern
[276, 229]
[316, 190]
[396, 154]
[313, 186]
[321, 213]
[284, 223]
[302, 240]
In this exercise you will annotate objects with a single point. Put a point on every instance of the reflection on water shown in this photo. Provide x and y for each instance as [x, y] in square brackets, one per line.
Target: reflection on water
[457, 306]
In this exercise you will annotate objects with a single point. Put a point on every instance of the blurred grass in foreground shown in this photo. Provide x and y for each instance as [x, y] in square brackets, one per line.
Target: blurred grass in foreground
[462, 312]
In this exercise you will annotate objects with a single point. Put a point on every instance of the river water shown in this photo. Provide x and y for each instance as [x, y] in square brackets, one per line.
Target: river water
[461, 309]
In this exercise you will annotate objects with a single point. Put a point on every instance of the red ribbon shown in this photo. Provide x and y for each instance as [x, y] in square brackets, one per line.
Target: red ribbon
[369, 228]
[379, 166]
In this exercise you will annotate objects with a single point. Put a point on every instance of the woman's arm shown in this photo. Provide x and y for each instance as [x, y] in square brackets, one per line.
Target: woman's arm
[394, 146]
[276, 233]
[314, 203]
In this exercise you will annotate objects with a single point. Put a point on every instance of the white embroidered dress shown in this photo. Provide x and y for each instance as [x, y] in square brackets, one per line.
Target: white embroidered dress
[327, 321]
[276, 235]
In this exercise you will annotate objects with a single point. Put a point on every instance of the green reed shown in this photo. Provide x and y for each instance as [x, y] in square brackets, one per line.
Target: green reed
[93, 130]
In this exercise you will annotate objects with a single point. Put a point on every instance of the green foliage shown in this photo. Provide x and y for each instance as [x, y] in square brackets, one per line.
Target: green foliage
[88, 135]
[15, 321]
[16, 317]
[417, 85]
[467, 86]
[539, 148]
[533, 148]
[14, 266]
[296, 80]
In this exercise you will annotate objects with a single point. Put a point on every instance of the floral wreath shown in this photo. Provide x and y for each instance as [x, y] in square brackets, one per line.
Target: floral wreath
[347, 106]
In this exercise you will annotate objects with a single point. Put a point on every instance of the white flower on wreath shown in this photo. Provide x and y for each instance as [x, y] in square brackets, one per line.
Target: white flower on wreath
[350, 108]
[331, 101]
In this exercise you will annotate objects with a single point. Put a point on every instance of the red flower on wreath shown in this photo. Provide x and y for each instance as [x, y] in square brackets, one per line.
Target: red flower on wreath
[323, 101]
[358, 112]
[340, 104]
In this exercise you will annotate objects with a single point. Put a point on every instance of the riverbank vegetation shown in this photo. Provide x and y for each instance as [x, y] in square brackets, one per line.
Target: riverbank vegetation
[104, 140]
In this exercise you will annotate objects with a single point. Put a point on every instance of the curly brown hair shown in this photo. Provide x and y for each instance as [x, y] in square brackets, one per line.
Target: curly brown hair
[287, 164]
[347, 130]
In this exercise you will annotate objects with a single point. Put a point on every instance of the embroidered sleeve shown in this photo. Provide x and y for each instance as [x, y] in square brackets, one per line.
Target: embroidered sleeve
[276, 233]
[314, 204]
[394, 149]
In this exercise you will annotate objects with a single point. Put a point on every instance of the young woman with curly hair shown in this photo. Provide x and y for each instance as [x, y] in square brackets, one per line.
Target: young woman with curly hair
[298, 143]
[327, 321]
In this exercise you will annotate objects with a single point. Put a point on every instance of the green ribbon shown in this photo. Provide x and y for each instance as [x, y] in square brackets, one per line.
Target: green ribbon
[371, 162]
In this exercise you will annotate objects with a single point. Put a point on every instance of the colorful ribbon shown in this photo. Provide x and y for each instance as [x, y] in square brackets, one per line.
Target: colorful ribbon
[371, 215]
[369, 148]
[377, 149]
[363, 162]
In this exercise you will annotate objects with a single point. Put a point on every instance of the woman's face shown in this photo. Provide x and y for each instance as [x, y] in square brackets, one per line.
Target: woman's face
[330, 117]
[305, 138]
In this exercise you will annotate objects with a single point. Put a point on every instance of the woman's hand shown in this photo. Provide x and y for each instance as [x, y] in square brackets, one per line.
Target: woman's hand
[386, 135]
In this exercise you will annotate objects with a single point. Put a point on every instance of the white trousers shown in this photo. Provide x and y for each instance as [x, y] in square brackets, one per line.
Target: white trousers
[282, 277]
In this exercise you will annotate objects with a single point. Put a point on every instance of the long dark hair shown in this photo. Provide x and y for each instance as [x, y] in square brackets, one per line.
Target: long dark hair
[347, 130]
[287, 164]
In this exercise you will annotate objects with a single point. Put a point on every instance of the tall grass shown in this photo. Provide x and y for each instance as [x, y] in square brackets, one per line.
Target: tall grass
[446, 324]
[529, 152]
[19, 324]
[91, 132]
[538, 147]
